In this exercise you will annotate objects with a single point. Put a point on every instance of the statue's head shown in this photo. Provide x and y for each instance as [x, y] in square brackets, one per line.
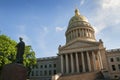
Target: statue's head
[20, 38]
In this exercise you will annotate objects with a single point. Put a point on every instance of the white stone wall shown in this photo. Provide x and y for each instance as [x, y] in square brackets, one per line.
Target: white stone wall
[113, 58]
[46, 67]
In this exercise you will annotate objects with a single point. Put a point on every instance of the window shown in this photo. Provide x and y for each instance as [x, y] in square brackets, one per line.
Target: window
[113, 67]
[50, 72]
[119, 66]
[32, 73]
[54, 71]
[115, 76]
[41, 73]
[50, 65]
[41, 66]
[54, 65]
[36, 73]
[45, 72]
[36, 67]
[45, 66]
[117, 59]
[111, 60]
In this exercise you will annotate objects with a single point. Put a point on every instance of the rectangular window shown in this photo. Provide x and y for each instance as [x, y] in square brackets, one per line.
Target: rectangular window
[32, 73]
[41, 66]
[117, 59]
[111, 60]
[119, 66]
[36, 73]
[45, 72]
[54, 65]
[113, 67]
[50, 65]
[54, 71]
[50, 72]
[41, 73]
[45, 66]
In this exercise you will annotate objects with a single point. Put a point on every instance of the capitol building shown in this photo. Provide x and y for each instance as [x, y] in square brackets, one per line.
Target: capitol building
[81, 58]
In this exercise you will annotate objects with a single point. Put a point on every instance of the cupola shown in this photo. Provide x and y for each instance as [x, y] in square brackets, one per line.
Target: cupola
[79, 29]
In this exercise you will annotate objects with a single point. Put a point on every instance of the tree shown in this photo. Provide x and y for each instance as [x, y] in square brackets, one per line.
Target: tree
[8, 53]
[29, 58]
[7, 50]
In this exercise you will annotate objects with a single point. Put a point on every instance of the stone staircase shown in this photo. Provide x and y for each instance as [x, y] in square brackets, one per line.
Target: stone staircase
[82, 76]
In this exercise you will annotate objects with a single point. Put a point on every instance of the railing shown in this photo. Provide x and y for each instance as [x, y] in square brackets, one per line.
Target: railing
[113, 50]
[45, 58]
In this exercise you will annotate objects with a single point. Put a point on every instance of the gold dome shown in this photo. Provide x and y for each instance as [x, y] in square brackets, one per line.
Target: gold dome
[77, 18]
[79, 29]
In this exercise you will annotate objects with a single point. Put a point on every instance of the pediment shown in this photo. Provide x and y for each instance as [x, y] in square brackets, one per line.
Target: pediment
[80, 44]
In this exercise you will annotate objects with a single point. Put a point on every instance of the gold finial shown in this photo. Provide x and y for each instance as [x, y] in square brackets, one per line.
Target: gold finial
[77, 12]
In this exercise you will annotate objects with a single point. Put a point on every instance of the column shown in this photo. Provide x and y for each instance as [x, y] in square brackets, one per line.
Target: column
[68, 38]
[72, 63]
[100, 59]
[88, 33]
[62, 64]
[67, 65]
[94, 61]
[88, 59]
[92, 34]
[77, 62]
[83, 63]
[76, 33]
[82, 32]
[71, 35]
[85, 32]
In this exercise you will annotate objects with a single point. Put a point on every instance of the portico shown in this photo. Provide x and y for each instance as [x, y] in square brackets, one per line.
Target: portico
[78, 62]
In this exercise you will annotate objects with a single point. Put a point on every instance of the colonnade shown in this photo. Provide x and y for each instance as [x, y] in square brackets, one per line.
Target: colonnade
[80, 33]
[78, 62]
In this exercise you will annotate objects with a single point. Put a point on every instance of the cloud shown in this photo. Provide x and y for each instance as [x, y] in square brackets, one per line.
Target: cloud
[106, 4]
[106, 14]
[59, 29]
[82, 2]
[45, 29]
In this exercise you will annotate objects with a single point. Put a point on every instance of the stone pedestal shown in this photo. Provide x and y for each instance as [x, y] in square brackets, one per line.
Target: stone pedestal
[14, 71]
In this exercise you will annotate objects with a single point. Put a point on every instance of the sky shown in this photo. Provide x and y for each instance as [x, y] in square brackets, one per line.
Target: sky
[42, 23]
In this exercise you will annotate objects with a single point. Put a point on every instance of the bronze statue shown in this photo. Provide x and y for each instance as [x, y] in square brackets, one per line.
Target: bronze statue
[20, 51]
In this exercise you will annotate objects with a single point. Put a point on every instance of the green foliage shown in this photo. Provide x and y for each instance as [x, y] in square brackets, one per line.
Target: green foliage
[8, 53]
[7, 50]
[29, 57]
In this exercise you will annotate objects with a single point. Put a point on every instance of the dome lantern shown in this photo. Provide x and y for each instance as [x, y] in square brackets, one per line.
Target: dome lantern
[77, 13]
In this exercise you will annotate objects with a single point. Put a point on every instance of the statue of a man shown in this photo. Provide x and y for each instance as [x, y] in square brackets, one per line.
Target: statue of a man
[20, 51]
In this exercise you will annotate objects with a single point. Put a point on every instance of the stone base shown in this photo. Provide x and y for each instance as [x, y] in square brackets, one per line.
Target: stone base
[14, 71]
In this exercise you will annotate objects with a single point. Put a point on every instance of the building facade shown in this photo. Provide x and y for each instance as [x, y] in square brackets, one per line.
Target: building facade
[113, 58]
[81, 56]
[46, 67]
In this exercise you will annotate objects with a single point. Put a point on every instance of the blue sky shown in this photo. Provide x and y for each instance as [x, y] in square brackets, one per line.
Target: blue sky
[42, 23]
